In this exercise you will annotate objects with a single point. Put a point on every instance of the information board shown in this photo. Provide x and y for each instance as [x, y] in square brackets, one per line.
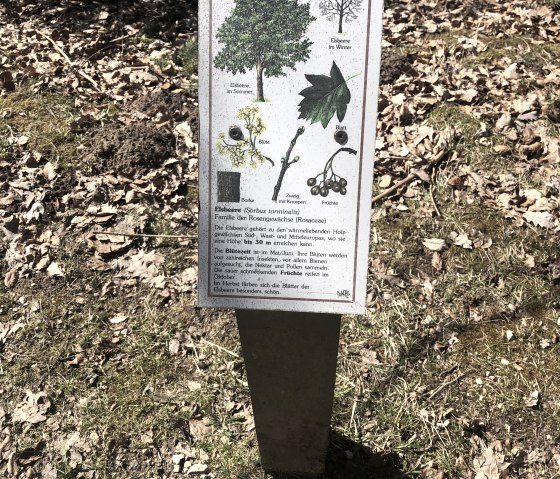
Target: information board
[288, 106]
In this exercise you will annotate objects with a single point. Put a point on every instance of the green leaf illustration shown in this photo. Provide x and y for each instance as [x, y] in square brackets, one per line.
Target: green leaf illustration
[327, 95]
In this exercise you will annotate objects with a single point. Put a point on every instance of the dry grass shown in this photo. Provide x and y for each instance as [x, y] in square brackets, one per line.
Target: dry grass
[45, 118]
[459, 351]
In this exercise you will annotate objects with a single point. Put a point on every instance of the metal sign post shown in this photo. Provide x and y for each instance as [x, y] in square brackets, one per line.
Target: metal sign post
[291, 362]
[288, 104]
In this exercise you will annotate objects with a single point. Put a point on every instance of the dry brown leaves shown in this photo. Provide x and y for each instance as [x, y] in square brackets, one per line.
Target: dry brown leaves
[491, 93]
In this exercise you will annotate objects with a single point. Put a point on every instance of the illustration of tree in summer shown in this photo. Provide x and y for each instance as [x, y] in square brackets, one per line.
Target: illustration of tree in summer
[341, 10]
[241, 148]
[264, 35]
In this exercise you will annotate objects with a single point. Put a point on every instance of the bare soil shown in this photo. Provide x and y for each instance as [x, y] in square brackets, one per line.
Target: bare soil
[129, 149]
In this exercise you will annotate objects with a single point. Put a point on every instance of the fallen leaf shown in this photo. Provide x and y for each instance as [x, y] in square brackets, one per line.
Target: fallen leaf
[529, 261]
[437, 261]
[510, 73]
[7, 81]
[370, 358]
[198, 428]
[174, 346]
[194, 386]
[22, 140]
[491, 465]
[502, 150]
[533, 400]
[118, 319]
[33, 410]
[196, 469]
[461, 240]
[11, 278]
[435, 244]
[539, 218]
[54, 270]
[385, 181]
[49, 171]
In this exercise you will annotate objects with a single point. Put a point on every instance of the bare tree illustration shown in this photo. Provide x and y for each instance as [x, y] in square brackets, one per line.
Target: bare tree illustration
[341, 10]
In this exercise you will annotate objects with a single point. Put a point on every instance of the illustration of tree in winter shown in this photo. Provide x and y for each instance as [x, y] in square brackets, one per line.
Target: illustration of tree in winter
[340, 10]
[267, 36]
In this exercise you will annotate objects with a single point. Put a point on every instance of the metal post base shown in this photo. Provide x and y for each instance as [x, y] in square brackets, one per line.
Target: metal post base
[291, 367]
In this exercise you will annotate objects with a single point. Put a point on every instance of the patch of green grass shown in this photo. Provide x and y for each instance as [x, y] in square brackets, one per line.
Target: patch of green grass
[234, 458]
[5, 148]
[430, 392]
[159, 224]
[145, 40]
[188, 57]
[162, 61]
[472, 149]
[555, 4]
[45, 118]
[140, 388]
[518, 48]
[553, 129]
[449, 115]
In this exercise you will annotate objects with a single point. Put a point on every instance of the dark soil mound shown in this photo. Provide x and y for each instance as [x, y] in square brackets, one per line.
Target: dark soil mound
[179, 107]
[393, 65]
[130, 149]
[142, 146]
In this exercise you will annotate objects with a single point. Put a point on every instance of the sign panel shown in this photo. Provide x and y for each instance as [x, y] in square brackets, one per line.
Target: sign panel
[288, 106]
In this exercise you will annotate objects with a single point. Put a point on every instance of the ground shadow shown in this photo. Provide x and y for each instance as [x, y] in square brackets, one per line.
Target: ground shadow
[346, 459]
[153, 18]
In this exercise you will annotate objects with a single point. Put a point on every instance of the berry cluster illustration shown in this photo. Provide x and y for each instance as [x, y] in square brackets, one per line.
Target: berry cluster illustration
[327, 180]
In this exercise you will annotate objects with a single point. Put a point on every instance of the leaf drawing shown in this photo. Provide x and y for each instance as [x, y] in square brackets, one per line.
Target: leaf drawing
[327, 95]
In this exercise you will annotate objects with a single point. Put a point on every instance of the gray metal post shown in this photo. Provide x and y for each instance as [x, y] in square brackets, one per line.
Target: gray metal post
[290, 360]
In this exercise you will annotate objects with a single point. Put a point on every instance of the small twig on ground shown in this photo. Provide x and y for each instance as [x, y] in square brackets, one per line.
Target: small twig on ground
[141, 235]
[68, 60]
[434, 204]
[395, 187]
[105, 48]
[210, 343]
[436, 391]
[57, 48]
[352, 416]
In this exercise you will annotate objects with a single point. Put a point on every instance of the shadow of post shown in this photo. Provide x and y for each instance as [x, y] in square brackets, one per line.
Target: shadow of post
[346, 459]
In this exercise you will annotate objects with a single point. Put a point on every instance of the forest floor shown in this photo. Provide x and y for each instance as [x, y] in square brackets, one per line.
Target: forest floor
[107, 368]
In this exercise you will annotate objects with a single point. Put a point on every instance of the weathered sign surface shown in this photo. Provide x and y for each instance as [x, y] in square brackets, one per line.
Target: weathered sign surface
[288, 98]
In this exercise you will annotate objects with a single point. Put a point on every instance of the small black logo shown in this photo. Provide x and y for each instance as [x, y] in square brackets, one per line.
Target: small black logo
[343, 293]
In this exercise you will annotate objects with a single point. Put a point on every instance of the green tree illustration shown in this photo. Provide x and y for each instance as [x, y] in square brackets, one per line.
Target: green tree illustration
[264, 35]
